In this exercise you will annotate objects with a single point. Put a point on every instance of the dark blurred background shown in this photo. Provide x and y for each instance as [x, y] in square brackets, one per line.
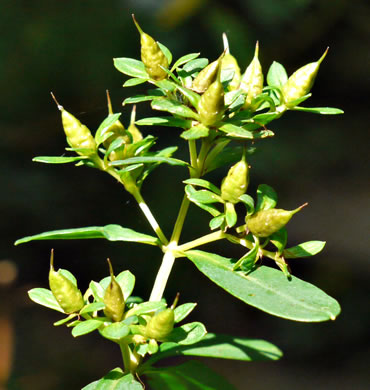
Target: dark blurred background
[67, 47]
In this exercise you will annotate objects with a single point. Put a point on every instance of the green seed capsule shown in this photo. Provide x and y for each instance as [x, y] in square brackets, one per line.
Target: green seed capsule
[132, 129]
[252, 80]
[119, 132]
[236, 182]
[161, 325]
[211, 105]
[266, 222]
[229, 62]
[205, 77]
[152, 55]
[113, 298]
[65, 292]
[301, 82]
[78, 135]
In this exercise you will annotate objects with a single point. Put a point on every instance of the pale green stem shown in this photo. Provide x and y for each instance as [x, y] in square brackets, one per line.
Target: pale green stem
[149, 216]
[219, 235]
[135, 192]
[125, 351]
[193, 154]
[169, 257]
[162, 276]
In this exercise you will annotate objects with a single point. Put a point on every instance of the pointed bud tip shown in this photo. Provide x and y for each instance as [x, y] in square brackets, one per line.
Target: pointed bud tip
[323, 56]
[60, 108]
[52, 259]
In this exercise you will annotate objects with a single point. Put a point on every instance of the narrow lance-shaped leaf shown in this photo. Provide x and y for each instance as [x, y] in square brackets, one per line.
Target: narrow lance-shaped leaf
[58, 159]
[268, 289]
[320, 110]
[109, 232]
[174, 107]
[164, 121]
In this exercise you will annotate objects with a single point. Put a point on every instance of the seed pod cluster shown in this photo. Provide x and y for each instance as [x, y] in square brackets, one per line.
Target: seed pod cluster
[64, 290]
[236, 182]
[78, 135]
[152, 55]
[301, 82]
[266, 222]
[211, 105]
[160, 325]
[206, 77]
[113, 298]
[229, 62]
[252, 80]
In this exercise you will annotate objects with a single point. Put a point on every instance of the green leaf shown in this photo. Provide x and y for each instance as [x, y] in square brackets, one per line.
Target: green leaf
[249, 202]
[203, 183]
[165, 85]
[183, 60]
[195, 65]
[204, 196]
[57, 159]
[115, 380]
[266, 197]
[164, 121]
[65, 320]
[320, 110]
[95, 306]
[86, 327]
[131, 67]
[115, 332]
[279, 239]
[190, 191]
[126, 280]
[239, 132]
[247, 262]
[174, 107]
[109, 232]
[149, 160]
[306, 249]
[216, 222]
[222, 346]
[133, 82]
[226, 156]
[195, 132]
[145, 308]
[101, 134]
[97, 291]
[68, 275]
[230, 214]
[265, 118]
[166, 52]
[277, 75]
[183, 311]
[188, 334]
[141, 98]
[268, 289]
[44, 297]
[192, 96]
[192, 375]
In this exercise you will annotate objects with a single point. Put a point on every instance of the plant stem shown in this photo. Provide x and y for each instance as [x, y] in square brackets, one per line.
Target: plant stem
[193, 154]
[162, 275]
[125, 351]
[149, 216]
[170, 256]
[135, 192]
[219, 235]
